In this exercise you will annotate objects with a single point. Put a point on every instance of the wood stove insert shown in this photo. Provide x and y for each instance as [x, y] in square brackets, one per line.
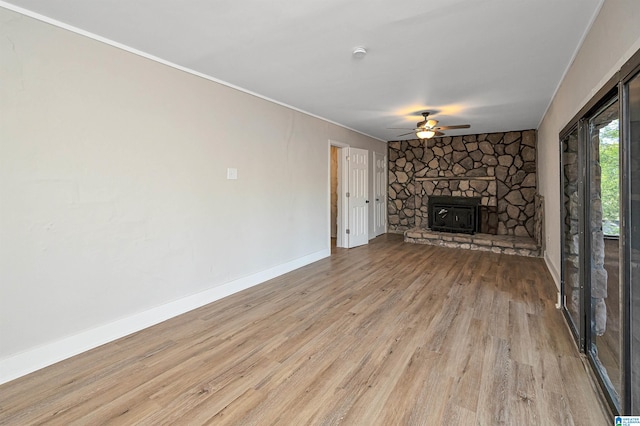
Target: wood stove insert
[454, 214]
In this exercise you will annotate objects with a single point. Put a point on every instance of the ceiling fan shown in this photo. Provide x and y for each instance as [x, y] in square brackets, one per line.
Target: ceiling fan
[428, 128]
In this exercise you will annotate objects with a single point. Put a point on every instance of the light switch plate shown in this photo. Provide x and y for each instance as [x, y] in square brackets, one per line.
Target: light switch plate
[232, 173]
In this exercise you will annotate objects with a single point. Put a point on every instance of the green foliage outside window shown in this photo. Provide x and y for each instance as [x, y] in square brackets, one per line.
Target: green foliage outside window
[610, 189]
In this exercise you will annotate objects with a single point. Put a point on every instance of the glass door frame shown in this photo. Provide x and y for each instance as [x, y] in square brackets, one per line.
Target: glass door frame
[632, 72]
[615, 88]
[577, 327]
[586, 213]
[582, 330]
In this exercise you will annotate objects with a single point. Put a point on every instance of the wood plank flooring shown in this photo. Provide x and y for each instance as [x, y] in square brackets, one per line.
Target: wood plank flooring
[384, 334]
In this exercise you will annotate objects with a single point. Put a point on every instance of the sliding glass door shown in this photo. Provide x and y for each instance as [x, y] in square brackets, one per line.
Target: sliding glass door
[591, 240]
[600, 201]
[602, 220]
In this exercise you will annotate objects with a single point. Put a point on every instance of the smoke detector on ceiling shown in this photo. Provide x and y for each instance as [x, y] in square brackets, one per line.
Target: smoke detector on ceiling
[359, 52]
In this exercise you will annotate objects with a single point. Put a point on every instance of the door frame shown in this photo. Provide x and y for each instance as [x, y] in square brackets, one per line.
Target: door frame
[584, 337]
[614, 87]
[576, 325]
[342, 219]
[383, 191]
[630, 376]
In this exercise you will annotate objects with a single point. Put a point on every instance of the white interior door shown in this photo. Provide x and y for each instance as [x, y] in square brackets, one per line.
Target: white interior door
[380, 194]
[358, 197]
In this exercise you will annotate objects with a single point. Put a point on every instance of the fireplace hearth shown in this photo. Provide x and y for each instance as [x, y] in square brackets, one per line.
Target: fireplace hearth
[454, 214]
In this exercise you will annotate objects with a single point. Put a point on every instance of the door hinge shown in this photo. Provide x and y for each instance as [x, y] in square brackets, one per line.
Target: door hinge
[348, 194]
[348, 231]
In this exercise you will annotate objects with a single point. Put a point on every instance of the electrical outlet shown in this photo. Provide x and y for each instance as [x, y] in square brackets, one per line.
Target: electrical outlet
[232, 173]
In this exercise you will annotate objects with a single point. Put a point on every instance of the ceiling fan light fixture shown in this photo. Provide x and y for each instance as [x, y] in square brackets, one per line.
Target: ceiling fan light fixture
[425, 133]
[428, 128]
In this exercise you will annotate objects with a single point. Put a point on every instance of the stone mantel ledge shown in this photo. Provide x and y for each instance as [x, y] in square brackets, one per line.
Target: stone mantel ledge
[503, 244]
[431, 179]
[483, 187]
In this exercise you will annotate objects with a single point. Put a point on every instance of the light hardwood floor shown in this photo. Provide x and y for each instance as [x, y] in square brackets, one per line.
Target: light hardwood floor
[384, 334]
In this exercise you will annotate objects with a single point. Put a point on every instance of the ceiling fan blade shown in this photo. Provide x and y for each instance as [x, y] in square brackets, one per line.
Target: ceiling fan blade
[398, 128]
[439, 133]
[459, 126]
[404, 134]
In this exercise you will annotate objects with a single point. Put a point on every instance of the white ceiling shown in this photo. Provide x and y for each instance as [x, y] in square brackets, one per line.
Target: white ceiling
[494, 64]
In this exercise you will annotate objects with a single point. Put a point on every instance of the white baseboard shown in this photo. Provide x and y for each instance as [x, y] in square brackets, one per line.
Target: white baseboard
[556, 278]
[552, 270]
[34, 359]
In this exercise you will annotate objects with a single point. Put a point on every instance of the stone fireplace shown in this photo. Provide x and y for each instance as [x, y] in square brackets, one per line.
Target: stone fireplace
[496, 169]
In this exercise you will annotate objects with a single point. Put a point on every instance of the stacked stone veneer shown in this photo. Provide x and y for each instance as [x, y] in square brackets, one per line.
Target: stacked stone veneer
[500, 168]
